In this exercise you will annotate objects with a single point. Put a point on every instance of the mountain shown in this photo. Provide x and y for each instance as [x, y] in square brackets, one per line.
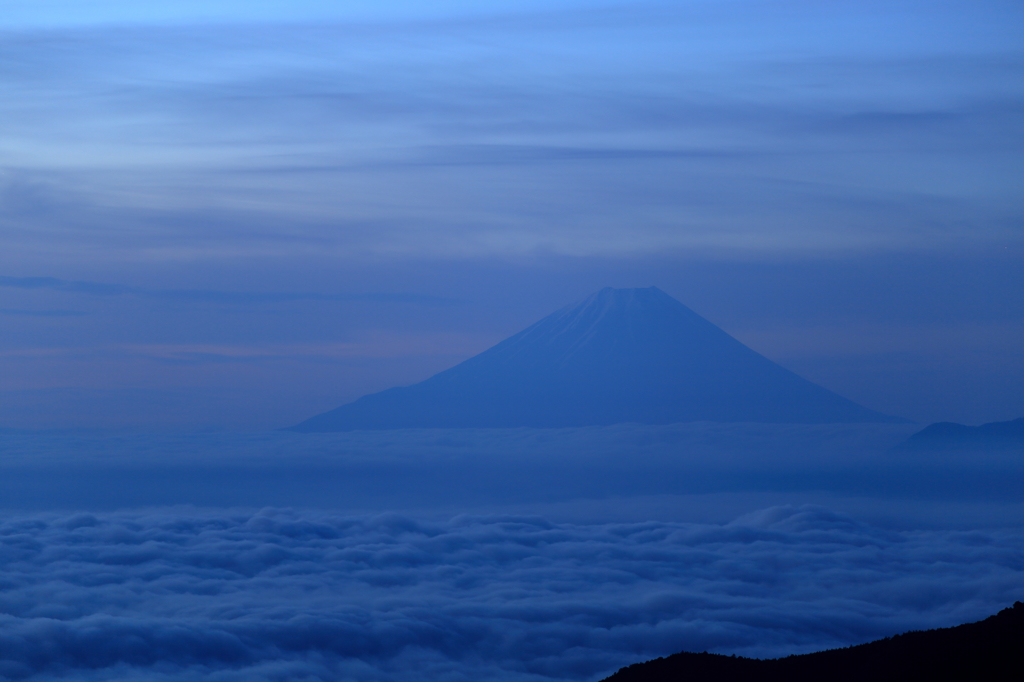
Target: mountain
[620, 355]
[953, 436]
[992, 649]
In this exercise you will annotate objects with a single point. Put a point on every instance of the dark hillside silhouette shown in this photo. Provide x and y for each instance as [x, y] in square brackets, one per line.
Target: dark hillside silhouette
[950, 435]
[992, 649]
[620, 355]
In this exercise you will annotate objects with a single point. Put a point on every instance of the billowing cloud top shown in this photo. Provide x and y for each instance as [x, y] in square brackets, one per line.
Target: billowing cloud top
[178, 595]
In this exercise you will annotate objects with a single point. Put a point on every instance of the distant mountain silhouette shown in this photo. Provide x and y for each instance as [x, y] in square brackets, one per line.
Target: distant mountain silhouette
[992, 649]
[620, 355]
[953, 436]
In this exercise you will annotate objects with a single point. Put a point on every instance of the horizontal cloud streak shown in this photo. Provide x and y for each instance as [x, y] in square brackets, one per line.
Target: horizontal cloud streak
[180, 595]
[21, 312]
[205, 295]
[704, 126]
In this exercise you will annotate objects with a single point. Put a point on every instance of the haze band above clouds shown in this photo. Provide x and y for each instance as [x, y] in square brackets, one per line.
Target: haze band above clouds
[680, 472]
[302, 595]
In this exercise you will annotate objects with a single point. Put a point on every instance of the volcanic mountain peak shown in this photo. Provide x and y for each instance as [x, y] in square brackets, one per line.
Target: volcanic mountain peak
[620, 355]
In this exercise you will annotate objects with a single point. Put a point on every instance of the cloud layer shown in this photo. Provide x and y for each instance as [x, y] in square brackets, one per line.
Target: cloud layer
[301, 595]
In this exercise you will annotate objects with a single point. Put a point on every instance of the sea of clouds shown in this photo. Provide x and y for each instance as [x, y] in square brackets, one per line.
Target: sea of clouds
[308, 595]
[517, 554]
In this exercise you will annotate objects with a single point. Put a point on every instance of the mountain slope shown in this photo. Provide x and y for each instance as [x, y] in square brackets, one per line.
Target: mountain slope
[953, 436]
[992, 649]
[621, 355]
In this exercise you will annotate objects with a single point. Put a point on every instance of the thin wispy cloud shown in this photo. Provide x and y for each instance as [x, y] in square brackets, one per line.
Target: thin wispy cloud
[21, 312]
[204, 295]
[766, 145]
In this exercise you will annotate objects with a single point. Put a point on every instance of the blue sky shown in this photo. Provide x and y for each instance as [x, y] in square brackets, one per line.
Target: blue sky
[250, 213]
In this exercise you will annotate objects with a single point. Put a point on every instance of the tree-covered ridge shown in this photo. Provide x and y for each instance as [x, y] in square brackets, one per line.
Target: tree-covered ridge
[991, 649]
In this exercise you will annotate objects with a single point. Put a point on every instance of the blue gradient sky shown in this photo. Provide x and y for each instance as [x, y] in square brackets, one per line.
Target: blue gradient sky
[237, 215]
